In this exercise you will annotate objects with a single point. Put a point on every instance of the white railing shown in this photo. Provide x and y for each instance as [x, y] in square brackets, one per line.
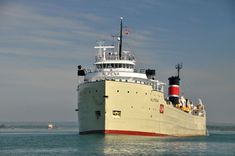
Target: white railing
[114, 56]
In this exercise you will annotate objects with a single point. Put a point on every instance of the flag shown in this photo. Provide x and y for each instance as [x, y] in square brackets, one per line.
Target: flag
[126, 31]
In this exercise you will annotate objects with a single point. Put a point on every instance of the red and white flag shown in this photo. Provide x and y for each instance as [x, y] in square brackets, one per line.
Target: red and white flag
[126, 31]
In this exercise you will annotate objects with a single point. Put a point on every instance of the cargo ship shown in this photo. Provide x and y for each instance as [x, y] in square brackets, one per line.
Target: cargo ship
[116, 98]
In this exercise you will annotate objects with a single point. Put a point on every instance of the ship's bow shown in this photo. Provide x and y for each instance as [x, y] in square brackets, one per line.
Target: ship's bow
[91, 107]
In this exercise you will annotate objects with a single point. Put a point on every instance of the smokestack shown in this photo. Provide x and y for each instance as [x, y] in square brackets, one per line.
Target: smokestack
[174, 89]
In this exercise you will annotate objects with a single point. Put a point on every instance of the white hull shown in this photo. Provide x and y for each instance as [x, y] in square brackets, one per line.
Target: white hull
[110, 106]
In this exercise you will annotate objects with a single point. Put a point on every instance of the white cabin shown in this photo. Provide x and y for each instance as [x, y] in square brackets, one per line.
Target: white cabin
[109, 65]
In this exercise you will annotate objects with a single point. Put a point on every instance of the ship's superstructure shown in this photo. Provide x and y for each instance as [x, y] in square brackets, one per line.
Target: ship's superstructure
[115, 98]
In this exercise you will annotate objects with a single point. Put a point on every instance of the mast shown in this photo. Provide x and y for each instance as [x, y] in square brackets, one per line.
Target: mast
[120, 44]
[178, 67]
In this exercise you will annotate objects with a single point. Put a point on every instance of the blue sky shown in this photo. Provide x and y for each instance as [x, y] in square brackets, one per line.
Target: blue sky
[42, 42]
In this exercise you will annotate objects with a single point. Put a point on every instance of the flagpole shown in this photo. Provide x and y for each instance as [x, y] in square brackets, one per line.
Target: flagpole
[120, 44]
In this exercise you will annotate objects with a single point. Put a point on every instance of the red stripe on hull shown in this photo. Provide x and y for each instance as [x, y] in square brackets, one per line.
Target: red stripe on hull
[123, 132]
[133, 133]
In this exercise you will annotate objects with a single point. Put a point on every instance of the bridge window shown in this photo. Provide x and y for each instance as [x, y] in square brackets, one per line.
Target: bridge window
[109, 66]
[113, 65]
[99, 66]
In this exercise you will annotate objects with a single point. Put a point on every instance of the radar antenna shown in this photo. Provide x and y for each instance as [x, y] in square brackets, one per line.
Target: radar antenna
[178, 67]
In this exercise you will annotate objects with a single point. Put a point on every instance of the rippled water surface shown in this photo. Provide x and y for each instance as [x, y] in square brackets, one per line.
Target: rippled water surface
[35, 139]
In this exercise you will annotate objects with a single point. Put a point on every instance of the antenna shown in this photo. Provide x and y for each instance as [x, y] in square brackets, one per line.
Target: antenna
[178, 67]
[120, 44]
[114, 36]
[101, 42]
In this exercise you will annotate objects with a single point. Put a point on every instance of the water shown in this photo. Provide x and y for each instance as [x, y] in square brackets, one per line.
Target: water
[34, 139]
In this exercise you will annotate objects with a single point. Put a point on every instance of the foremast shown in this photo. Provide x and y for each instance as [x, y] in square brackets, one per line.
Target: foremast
[120, 44]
